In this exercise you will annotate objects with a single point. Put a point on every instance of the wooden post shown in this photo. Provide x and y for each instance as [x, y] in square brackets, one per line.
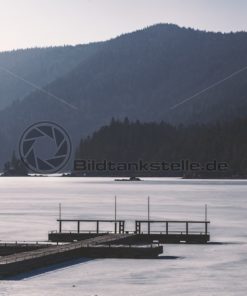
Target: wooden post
[60, 217]
[148, 215]
[187, 228]
[148, 227]
[78, 226]
[206, 228]
[97, 227]
[121, 226]
[60, 212]
[167, 228]
[138, 227]
[115, 214]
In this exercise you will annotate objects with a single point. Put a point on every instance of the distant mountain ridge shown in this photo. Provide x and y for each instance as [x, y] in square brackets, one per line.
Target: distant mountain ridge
[38, 66]
[141, 75]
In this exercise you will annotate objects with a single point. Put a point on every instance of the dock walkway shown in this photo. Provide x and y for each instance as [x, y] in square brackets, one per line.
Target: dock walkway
[97, 247]
[51, 250]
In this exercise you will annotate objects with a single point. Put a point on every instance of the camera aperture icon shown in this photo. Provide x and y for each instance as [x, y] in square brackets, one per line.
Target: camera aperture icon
[45, 147]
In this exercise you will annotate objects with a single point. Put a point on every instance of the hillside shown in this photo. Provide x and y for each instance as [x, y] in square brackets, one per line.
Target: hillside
[126, 142]
[39, 66]
[141, 75]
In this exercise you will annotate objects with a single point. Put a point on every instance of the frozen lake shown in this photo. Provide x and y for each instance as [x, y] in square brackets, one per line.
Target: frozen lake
[29, 209]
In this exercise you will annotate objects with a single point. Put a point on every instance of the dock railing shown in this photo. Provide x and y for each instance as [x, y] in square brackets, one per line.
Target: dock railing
[166, 225]
[119, 225]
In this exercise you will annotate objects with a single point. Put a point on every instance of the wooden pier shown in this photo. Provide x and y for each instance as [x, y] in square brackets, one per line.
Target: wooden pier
[168, 231]
[97, 247]
[9, 248]
[141, 241]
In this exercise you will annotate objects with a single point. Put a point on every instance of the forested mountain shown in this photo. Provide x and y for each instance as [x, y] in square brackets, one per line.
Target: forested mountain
[141, 75]
[39, 66]
[125, 141]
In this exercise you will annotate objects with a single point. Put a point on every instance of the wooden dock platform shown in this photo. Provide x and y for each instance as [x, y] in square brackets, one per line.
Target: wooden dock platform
[97, 247]
[9, 248]
[145, 231]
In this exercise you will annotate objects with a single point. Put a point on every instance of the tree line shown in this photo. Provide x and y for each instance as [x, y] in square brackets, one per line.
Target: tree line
[130, 141]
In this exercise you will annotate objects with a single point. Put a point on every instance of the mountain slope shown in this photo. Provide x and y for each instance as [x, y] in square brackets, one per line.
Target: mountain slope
[142, 75]
[39, 66]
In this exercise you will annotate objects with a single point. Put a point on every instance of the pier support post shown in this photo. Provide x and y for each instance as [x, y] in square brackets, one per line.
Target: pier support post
[148, 215]
[148, 227]
[115, 215]
[138, 227]
[167, 229]
[97, 227]
[78, 226]
[187, 228]
[60, 226]
[121, 227]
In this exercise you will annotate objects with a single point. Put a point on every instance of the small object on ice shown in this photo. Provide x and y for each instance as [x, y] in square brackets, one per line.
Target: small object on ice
[130, 179]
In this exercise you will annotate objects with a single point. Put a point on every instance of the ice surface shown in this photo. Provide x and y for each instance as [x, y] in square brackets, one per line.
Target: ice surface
[29, 209]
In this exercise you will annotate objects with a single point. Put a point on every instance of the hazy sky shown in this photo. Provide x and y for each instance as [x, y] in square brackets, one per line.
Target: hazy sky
[29, 23]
